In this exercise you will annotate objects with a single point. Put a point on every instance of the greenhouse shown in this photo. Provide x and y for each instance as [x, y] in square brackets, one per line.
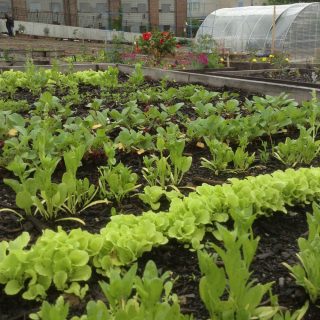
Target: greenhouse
[293, 29]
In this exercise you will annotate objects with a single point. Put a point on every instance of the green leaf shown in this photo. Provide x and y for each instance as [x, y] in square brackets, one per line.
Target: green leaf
[34, 291]
[3, 250]
[13, 184]
[60, 279]
[12, 287]
[76, 289]
[79, 257]
[95, 245]
[97, 311]
[24, 200]
[59, 311]
[20, 242]
[82, 273]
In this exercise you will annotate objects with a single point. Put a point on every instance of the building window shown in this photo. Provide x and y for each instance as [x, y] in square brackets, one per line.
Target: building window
[142, 8]
[35, 7]
[166, 27]
[56, 7]
[4, 6]
[143, 29]
[126, 7]
[165, 8]
[196, 6]
[101, 7]
[85, 7]
[193, 6]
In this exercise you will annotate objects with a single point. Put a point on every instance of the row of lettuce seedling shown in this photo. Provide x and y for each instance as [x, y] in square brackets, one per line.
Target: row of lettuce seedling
[65, 259]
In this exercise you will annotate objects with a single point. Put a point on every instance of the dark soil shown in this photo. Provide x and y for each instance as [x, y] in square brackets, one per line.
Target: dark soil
[278, 233]
[277, 245]
[307, 77]
[296, 75]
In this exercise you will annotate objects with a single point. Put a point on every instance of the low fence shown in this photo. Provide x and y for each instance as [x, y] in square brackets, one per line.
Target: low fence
[67, 32]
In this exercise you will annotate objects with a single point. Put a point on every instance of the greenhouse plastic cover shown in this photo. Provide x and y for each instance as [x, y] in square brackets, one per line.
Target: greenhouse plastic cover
[244, 29]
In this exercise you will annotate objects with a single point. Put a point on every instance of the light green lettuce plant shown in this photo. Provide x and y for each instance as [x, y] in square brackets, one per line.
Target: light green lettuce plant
[153, 194]
[127, 237]
[57, 258]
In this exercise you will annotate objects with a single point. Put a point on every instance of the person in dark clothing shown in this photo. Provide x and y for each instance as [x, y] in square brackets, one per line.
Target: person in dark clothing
[9, 24]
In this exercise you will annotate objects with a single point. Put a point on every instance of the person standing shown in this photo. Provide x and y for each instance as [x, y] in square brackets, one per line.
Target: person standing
[9, 24]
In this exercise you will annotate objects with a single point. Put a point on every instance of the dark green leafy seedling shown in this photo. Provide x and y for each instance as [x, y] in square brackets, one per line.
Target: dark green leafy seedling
[117, 182]
[307, 271]
[243, 297]
[119, 288]
[58, 311]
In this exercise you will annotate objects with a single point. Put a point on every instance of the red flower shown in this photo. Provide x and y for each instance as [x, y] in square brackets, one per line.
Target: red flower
[146, 36]
[157, 43]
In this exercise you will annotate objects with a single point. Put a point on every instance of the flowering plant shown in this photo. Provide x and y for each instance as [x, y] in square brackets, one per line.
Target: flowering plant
[203, 59]
[278, 59]
[129, 58]
[156, 43]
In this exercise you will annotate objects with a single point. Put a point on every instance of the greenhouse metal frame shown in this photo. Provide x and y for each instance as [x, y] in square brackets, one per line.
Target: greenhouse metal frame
[250, 29]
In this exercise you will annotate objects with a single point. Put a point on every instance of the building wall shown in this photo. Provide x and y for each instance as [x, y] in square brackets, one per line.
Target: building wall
[167, 15]
[181, 17]
[45, 11]
[19, 9]
[70, 10]
[43, 5]
[5, 6]
[172, 15]
[135, 15]
[93, 14]
[114, 8]
[130, 15]
[153, 13]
